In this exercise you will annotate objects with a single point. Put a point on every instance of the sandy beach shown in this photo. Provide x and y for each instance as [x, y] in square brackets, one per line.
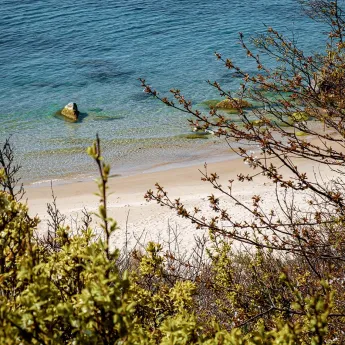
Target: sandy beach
[148, 220]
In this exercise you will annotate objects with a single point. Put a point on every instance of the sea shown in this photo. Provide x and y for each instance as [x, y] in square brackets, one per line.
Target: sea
[93, 52]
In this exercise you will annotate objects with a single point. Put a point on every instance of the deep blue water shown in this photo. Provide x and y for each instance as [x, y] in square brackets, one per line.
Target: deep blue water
[93, 52]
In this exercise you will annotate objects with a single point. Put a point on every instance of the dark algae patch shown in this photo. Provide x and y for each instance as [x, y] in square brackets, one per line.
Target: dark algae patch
[193, 136]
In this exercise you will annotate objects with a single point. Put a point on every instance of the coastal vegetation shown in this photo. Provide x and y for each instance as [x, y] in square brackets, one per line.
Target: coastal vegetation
[68, 287]
[286, 284]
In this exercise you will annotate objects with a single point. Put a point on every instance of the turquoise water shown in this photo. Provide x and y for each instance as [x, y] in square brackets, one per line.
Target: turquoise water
[93, 52]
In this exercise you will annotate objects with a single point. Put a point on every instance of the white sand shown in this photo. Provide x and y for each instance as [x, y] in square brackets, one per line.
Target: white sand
[127, 200]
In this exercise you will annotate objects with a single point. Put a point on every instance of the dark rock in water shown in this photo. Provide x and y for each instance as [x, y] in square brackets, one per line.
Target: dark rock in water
[233, 104]
[70, 111]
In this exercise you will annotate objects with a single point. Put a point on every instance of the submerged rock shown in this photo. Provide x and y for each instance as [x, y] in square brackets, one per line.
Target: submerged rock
[212, 104]
[233, 104]
[71, 111]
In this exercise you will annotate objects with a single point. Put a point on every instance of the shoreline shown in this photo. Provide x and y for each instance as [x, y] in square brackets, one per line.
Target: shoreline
[127, 205]
[138, 219]
[159, 160]
[144, 157]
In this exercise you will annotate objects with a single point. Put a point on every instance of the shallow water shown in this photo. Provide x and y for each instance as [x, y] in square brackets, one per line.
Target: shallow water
[93, 52]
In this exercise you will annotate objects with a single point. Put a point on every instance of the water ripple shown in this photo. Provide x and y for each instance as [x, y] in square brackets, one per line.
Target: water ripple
[93, 52]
